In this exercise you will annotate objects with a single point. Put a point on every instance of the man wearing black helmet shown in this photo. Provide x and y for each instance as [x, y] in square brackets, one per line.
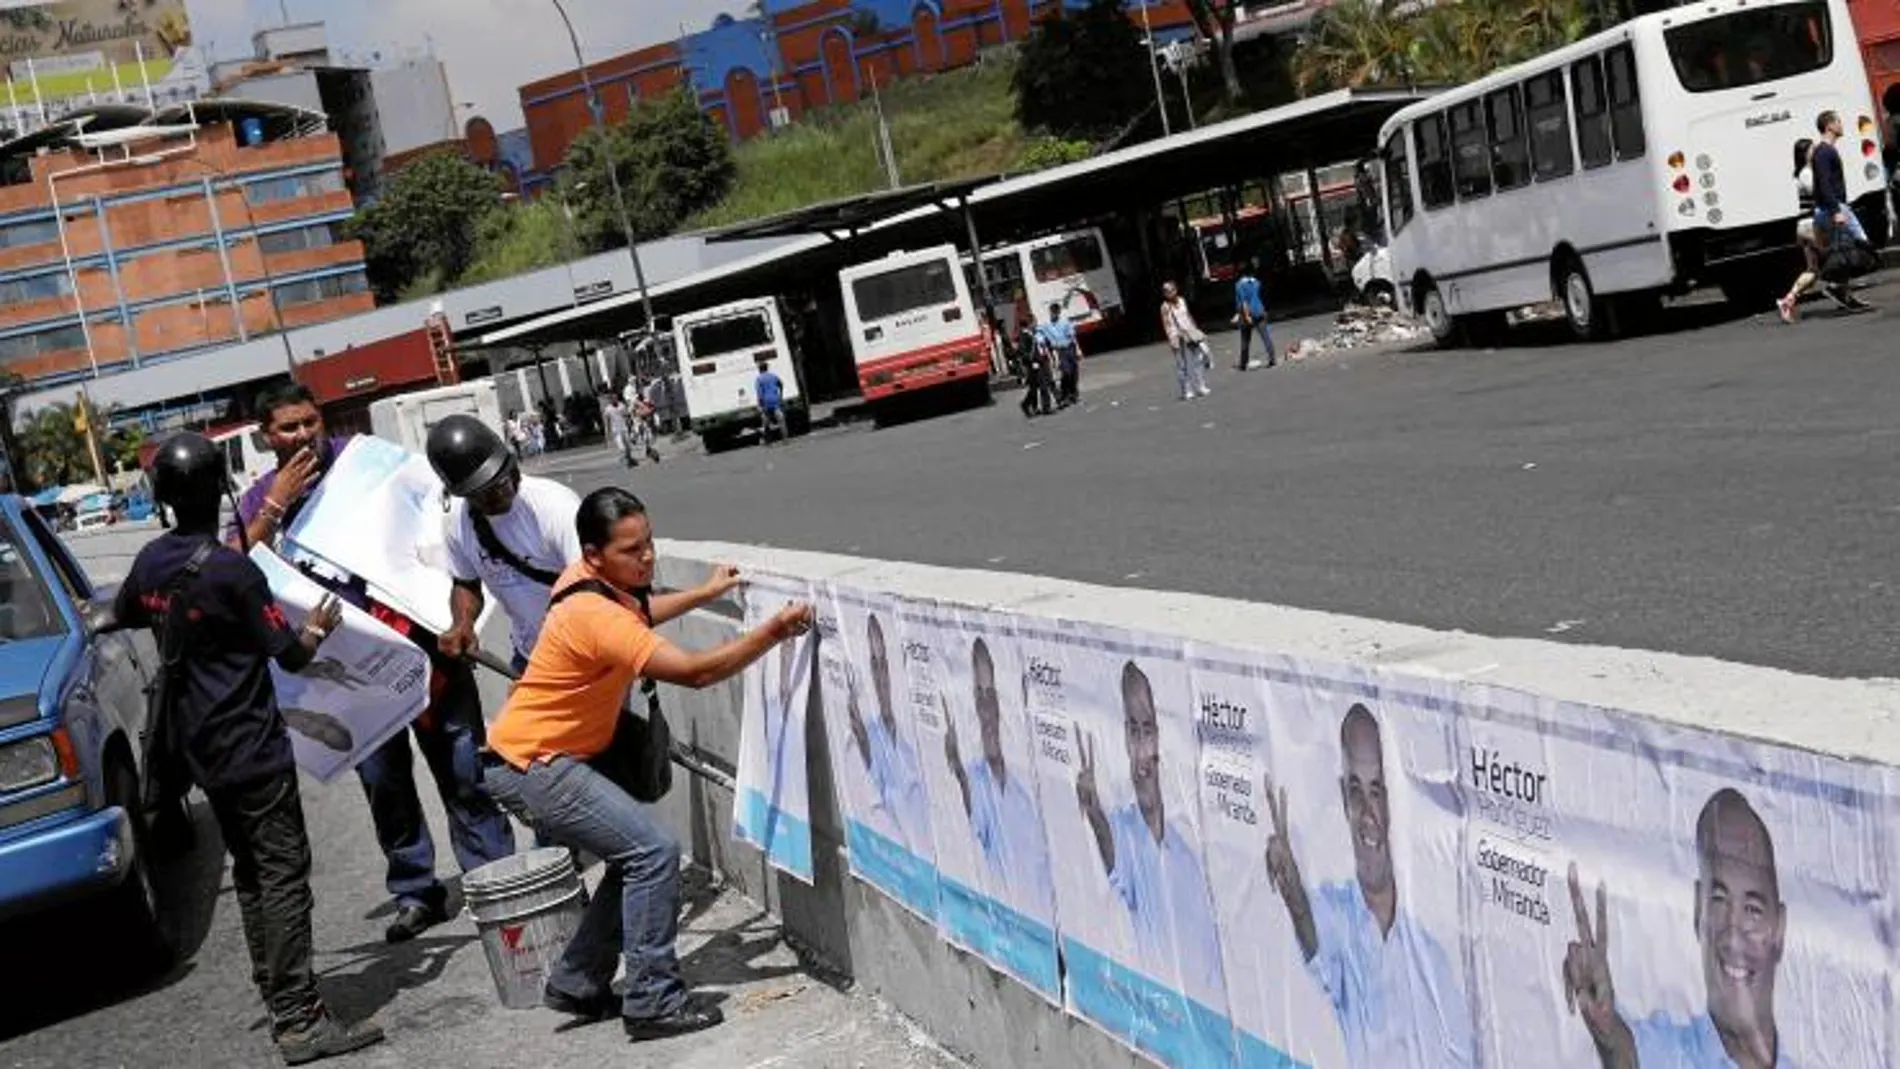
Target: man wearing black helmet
[512, 533]
[449, 732]
[224, 718]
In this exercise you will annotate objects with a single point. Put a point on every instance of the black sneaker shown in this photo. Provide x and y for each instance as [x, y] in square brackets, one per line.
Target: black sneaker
[412, 921]
[326, 1038]
[695, 1016]
[598, 1008]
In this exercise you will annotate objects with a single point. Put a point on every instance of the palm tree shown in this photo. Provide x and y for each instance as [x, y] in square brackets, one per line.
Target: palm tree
[53, 451]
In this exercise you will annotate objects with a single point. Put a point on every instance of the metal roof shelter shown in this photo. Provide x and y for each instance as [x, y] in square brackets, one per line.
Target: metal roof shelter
[1305, 134]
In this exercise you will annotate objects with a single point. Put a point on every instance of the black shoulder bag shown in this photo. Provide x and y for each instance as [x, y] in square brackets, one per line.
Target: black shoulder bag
[639, 759]
[492, 545]
[167, 775]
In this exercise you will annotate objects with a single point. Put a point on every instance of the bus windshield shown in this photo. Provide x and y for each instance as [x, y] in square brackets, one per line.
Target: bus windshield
[1750, 47]
[1074, 256]
[896, 292]
[730, 335]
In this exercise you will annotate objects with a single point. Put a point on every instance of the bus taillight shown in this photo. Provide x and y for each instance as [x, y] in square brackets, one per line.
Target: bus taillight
[1676, 160]
[1868, 148]
[1681, 184]
[1865, 125]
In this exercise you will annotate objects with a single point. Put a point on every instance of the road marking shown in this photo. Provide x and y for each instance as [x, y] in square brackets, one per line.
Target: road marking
[997, 560]
[1031, 445]
[1562, 626]
[1530, 467]
[1134, 575]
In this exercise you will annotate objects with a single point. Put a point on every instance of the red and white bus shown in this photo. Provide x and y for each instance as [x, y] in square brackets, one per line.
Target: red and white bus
[913, 326]
[1071, 269]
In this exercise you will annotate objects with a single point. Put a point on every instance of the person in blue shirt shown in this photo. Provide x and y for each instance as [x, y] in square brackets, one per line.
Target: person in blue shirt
[1391, 984]
[1153, 869]
[1058, 337]
[769, 390]
[1003, 816]
[1250, 311]
[1740, 922]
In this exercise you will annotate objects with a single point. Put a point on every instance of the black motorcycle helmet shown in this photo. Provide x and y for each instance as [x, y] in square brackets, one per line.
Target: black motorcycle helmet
[189, 475]
[466, 454]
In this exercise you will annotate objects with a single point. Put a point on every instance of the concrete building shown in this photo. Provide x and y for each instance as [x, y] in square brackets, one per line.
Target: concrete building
[384, 115]
[129, 238]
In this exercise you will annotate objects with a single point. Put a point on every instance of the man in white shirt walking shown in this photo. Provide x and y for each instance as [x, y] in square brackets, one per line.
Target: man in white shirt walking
[510, 533]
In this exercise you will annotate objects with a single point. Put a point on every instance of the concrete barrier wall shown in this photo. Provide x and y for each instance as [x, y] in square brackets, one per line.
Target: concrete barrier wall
[992, 1020]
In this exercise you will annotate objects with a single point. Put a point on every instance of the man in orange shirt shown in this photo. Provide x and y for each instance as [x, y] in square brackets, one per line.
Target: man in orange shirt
[593, 648]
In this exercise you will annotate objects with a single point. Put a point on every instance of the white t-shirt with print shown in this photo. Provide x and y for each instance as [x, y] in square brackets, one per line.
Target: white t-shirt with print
[539, 529]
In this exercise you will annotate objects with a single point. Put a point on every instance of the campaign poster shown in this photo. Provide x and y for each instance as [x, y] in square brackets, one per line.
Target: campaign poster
[1659, 897]
[772, 810]
[967, 689]
[378, 514]
[1347, 881]
[365, 685]
[1117, 763]
[875, 762]
[1246, 703]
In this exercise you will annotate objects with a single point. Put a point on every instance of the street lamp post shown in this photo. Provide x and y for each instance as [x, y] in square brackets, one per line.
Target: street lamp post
[595, 109]
[1154, 68]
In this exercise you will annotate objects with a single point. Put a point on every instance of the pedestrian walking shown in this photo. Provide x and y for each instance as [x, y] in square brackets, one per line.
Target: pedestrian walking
[597, 640]
[1250, 311]
[1058, 337]
[219, 630]
[510, 533]
[1189, 342]
[1847, 250]
[1806, 236]
[640, 421]
[450, 729]
[769, 391]
[1038, 385]
[615, 416]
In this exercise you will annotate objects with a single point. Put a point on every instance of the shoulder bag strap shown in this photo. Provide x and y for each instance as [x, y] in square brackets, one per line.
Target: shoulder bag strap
[492, 545]
[644, 596]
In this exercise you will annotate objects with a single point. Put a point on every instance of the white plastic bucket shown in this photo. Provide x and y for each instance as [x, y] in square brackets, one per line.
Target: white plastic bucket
[526, 908]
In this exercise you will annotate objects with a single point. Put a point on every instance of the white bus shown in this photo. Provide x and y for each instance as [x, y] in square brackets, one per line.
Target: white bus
[1650, 158]
[913, 326]
[1071, 269]
[719, 350]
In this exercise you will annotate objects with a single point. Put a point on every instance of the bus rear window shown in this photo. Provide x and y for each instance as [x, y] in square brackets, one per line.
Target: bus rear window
[1072, 257]
[905, 289]
[736, 334]
[1751, 47]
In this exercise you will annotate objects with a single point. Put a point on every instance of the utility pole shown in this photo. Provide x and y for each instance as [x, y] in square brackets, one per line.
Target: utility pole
[884, 137]
[1154, 68]
[598, 112]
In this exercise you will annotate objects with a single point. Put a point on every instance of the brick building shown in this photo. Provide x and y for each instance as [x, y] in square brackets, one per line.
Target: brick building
[800, 55]
[128, 237]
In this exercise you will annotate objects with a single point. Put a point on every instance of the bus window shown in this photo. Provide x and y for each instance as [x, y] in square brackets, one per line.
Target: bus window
[903, 290]
[1549, 120]
[1074, 256]
[1435, 186]
[1510, 155]
[1398, 182]
[732, 334]
[1626, 103]
[1593, 112]
[1471, 153]
[1750, 47]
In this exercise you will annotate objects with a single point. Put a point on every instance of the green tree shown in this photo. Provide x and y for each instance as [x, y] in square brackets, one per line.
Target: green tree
[1082, 75]
[672, 160]
[53, 451]
[426, 222]
[1370, 42]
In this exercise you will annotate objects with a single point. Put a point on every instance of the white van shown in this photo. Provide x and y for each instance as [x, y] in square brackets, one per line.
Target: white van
[913, 326]
[719, 350]
[246, 455]
[406, 418]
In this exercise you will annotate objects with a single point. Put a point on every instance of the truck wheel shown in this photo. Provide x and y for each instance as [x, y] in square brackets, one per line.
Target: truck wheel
[1587, 314]
[716, 441]
[1438, 318]
[133, 914]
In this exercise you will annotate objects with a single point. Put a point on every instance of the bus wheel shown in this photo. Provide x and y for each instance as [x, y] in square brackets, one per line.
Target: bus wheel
[1437, 317]
[1582, 310]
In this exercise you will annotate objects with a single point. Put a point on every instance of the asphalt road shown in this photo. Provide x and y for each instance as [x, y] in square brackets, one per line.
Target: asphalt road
[1726, 487]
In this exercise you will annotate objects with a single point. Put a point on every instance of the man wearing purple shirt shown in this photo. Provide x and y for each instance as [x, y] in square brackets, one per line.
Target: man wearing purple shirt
[449, 732]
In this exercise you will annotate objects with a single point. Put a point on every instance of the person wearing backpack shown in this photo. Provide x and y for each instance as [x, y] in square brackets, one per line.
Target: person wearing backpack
[552, 760]
[219, 630]
[508, 532]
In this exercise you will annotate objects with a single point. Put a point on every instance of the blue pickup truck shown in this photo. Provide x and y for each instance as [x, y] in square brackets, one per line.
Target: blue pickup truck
[72, 717]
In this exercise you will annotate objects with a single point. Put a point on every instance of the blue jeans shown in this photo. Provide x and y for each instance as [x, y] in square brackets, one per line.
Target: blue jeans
[1824, 223]
[478, 830]
[635, 910]
[1190, 367]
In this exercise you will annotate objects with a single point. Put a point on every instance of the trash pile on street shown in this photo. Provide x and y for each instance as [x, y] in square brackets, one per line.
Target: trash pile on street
[1361, 326]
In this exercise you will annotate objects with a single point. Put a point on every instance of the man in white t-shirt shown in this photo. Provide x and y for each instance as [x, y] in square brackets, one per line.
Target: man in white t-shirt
[510, 533]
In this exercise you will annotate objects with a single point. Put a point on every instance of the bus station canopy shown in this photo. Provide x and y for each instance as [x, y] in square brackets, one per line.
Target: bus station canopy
[1310, 133]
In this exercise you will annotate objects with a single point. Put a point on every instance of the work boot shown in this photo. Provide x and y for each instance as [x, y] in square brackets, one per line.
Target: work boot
[413, 920]
[326, 1038]
[694, 1016]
